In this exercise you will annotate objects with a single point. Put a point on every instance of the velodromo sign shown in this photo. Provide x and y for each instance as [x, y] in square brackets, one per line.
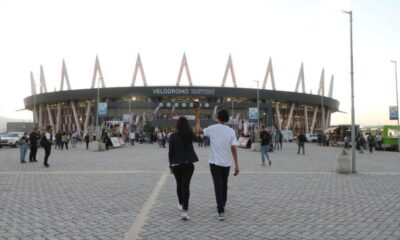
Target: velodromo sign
[183, 91]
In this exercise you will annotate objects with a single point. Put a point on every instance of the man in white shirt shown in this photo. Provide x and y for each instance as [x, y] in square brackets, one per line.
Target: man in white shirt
[223, 148]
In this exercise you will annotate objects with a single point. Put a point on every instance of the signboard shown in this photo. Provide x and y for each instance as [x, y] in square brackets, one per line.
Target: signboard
[102, 109]
[126, 118]
[253, 113]
[183, 91]
[393, 114]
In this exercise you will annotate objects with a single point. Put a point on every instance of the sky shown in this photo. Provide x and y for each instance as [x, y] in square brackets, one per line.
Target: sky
[313, 32]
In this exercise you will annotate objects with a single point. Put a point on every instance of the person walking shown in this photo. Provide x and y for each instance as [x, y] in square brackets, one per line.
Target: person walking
[181, 157]
[266, 139]
[378, 139]
[23, 147]
[46, 142]
[74, 139]
[132, 137]
[33, 144]
[64, 141]
[87, 140]
[371, 142]
[360, 143]
[223, 148]
[301, 139]
[276, 140]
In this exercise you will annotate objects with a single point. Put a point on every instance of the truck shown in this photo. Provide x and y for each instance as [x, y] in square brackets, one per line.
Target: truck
[390, 135]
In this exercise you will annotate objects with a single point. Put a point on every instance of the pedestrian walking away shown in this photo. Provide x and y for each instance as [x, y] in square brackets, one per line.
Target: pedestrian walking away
[87, 140]
[223, 148]
[33, 144]
[46, 142]
[301, 140]
[181, 157]
[266, 139]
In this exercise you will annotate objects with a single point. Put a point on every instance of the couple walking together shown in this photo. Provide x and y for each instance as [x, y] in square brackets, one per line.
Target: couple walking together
[182, 156]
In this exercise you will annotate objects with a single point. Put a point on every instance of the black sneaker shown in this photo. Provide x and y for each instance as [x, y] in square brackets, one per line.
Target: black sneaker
[47, 165]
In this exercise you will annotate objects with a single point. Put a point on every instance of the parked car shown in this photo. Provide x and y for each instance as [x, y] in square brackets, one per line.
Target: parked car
[11, 139]
[312, 137]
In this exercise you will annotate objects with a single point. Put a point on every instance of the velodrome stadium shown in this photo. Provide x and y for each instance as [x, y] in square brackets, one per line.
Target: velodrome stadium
[76, 110]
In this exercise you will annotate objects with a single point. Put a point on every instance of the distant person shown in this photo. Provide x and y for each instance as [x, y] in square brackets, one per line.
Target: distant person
[301, 140]
[223, 150]
[33, 144]
[181, 158]
[360, 143]
[266, 139]
[378, 139]
[74, 139]
[132, 138]
[371, 142]
[46, 142]
[23, 147]
[87, 139]
[64, 141]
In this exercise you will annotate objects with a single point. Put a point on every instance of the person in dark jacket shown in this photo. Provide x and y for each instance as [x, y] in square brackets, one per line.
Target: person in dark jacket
[301, 139]
[33, 144]
[181, 158]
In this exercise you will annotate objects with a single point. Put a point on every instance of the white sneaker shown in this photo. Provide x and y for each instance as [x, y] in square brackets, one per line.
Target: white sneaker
[221, 216]
[184, 215]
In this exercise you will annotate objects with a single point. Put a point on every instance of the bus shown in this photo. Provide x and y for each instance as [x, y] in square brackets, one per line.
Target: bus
[390, 135]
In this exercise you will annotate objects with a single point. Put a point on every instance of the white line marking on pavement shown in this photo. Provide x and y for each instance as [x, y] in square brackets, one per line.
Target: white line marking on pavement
[77, 172]
[138, 224]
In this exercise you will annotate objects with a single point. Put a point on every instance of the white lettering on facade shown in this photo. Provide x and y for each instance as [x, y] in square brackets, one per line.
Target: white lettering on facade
[183, 91]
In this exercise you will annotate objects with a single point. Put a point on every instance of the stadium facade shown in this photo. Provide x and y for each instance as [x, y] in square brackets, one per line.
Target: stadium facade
[70, 110]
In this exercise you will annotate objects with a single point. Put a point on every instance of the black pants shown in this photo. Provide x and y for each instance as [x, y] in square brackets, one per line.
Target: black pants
[183, 174]
[87, 144]
[47, 151]
[32, 153]
[220, 177]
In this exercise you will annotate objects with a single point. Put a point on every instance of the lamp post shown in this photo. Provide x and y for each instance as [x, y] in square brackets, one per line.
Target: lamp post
[34, 107]
[97, 109]
[130, 103]
[353, 128]
[258, 104]
[397, 106]
[323, 124]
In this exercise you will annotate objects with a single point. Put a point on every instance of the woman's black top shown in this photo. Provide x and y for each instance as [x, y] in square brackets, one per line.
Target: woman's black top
[180, 152]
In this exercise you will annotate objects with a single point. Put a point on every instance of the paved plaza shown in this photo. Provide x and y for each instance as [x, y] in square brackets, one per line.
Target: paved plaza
[127, 193]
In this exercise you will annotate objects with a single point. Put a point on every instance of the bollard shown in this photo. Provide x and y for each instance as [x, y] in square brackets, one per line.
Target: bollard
[343, 162]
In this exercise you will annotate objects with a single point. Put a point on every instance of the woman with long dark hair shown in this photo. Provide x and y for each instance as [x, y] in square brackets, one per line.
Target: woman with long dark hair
[181, 158]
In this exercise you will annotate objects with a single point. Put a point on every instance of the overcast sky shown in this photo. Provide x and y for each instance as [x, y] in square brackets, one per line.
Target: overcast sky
[314, 32]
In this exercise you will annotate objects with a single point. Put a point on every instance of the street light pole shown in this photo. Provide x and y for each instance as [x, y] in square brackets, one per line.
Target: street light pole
[397, 106]
[353, 128]
[97, 109]
[258, 104]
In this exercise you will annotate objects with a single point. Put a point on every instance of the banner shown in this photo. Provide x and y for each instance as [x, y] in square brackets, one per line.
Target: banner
[253, 113]
[393, 114]
[126, 118]
[102, 109]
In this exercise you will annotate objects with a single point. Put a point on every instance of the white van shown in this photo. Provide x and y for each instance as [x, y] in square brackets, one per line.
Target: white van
[312, 137]
[287, 135]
